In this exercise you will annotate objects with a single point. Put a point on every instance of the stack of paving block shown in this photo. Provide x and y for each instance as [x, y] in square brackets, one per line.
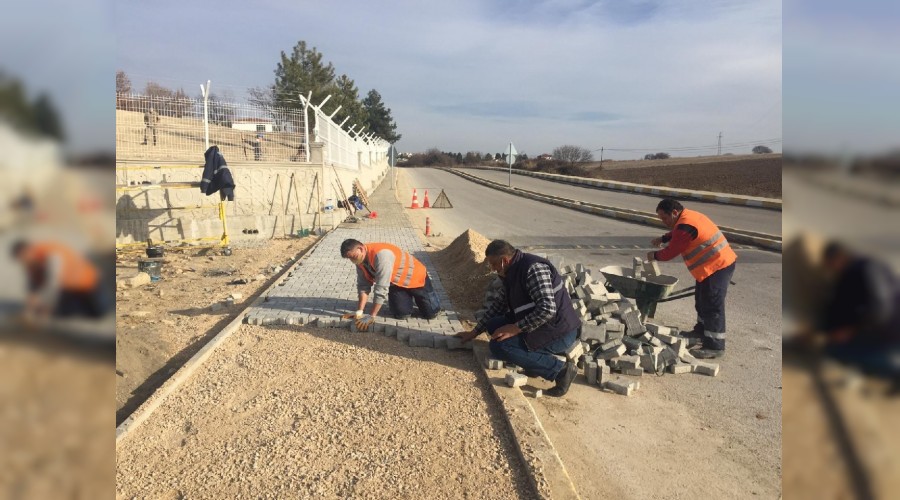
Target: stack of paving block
[491, 293]
[642, 269]
[438, 333]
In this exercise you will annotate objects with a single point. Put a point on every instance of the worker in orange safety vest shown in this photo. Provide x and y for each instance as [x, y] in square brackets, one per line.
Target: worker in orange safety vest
[711, 262]
[389, 273]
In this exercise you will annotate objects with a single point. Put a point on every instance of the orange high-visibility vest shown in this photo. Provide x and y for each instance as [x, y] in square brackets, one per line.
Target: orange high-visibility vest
[408, 272]
[709, 251]
[77, 274]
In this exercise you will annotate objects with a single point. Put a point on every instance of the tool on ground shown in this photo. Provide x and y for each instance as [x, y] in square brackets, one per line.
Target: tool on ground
[361, 194]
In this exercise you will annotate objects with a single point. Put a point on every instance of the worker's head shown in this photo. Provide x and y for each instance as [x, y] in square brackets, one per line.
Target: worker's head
[353, 250]
[18, 249]
[836, 256]
[498, 255]
[668, 211]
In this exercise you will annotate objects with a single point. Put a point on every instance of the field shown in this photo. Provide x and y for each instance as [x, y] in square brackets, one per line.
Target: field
[751, 175]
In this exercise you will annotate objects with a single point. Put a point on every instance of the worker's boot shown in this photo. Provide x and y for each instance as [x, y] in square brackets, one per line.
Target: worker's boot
[564, 380]
[708, 353]
[695, 336]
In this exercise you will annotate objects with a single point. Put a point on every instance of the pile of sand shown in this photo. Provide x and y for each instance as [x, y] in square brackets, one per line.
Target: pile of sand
[463, 271]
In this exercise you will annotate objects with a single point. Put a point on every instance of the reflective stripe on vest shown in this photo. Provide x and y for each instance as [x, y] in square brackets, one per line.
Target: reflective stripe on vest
[529, 305]
[705, 256]
[407, 273]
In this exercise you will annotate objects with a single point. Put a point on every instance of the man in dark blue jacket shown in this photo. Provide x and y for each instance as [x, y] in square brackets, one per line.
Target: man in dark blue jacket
[532, 320]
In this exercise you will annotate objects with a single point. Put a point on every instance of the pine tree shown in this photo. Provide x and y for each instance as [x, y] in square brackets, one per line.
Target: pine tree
[378, 118]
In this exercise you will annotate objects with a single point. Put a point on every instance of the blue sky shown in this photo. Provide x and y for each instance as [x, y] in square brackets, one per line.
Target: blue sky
[474, 75]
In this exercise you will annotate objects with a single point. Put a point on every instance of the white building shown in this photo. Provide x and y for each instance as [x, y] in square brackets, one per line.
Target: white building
[253, 124]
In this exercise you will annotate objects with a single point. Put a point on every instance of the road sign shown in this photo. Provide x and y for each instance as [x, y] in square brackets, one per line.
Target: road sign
[510, 158]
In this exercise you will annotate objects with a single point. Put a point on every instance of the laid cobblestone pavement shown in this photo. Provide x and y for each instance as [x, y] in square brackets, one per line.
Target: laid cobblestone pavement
[322, 286]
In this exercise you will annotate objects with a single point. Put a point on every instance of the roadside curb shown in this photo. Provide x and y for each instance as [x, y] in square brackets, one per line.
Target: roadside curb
[724, 198]
[173, 383]
[546, 470]
[762, 240]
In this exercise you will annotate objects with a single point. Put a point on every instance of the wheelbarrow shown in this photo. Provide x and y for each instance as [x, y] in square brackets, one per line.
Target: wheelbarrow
[646, 293]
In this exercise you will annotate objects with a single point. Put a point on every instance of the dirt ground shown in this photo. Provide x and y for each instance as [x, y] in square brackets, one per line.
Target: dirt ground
[161, 325]
[754, 175]
[353, 415]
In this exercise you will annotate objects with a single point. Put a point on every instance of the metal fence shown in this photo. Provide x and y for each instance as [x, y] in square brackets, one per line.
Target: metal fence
[179, 128]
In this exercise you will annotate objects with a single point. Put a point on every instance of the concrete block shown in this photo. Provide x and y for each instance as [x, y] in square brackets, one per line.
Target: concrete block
[666, 338]
[580, 293]
[637, 266]
[611, 344]
[657, 329]
[604, 373]
[516, 379]
[609, 307]
[390, 330]
[655, 341]
[629, 362]
[403, 334]
[621, 386]
[576, 351]
[633, 325]
[421, 339]
[612, 353]
[538, 394]
[651, 268]
[687, 358]
[579, 268]
[668, 356]
[648, 362]
[440, 341]
[614, 335]
[614, 325]
[679, 368]
[634, 372]
[595, 290]
[613, 296]
[495, 364]
[452, 343]
[710, 369]
[593, 331]
[632, 343]
[590, 372]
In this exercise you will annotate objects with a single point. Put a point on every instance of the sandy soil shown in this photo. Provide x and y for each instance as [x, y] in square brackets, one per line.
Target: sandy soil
[161, 325]
[756, 175]
[306, 412]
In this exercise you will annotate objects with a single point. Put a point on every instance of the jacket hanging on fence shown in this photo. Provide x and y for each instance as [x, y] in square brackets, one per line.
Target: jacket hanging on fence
[216, 176]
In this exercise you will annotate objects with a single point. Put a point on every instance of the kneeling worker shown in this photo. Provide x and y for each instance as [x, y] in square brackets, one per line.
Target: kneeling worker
[396, 275]
[61, 283]
[532, 319]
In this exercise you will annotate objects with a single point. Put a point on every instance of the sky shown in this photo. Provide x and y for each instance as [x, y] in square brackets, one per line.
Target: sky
[475, 75]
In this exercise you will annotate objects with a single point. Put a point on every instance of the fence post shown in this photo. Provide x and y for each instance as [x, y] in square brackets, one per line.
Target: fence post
[205, 92]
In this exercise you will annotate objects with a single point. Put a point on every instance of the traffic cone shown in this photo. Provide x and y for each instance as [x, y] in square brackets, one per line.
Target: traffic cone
[426, 204]
[415, 201]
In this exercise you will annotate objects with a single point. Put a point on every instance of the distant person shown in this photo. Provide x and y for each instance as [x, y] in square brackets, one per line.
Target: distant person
[861, 319]
[390, 274]
[532, 320]
[151, 119]
[61, 282]
[711, 262]
[257, 147]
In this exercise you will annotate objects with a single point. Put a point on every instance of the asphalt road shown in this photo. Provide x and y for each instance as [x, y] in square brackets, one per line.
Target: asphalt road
[749, 218]
[726, 428]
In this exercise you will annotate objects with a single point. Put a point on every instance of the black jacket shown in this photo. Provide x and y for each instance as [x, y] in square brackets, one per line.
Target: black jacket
[216, 175]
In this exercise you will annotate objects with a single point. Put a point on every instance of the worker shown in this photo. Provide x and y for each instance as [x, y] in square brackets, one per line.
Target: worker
[532, 319]
[61, 282]
[861, 320]
[391, 274]
[151, 119]
[711, 262]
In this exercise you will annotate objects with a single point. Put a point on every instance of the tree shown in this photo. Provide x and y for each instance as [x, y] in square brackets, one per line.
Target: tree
[656, 156]
[346, 95]
[759, 150]
[378, 118]
[488, 157]
[299, 74]
[46, 119]
[572, 154]
[498, 156]
[222, 108]
[123, 88]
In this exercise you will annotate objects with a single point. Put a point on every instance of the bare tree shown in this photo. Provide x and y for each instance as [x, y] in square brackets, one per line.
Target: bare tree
[760, 150]
[572, 154]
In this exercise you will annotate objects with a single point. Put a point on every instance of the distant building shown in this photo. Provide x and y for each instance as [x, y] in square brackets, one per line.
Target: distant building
[545, 156]
[253, 125]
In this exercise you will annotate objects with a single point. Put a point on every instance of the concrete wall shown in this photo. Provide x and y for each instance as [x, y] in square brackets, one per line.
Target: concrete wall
[267, 203]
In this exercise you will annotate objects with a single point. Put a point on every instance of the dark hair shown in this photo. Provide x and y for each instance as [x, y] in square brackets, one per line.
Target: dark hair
[499, 248]
[667, 205]
[349, 244]
[17, 247]
[835, 249]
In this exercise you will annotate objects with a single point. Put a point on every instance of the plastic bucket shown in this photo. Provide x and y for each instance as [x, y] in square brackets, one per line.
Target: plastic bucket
[151, 267]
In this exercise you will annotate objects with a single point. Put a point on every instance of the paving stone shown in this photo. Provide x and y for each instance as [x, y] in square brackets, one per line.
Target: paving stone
[612, 353]
[439, 341]
[636, 372]
[604, 373]
[621, 386]
[591, 331]
[403, 334]
[633, 325]
[611, 344]
[679, 368]
[590, 372]
[538, 393]
[658, 329]
[495, 364]
[703, 368]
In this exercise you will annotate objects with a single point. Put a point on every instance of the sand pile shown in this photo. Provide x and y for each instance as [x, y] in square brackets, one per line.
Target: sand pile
[463, 271]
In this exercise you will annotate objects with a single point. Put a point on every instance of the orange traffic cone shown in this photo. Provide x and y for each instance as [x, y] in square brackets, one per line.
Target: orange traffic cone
[415, 201]
[426, 204]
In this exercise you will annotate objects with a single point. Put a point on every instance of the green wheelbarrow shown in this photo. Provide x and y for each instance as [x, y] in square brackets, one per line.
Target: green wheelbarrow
[646, 293]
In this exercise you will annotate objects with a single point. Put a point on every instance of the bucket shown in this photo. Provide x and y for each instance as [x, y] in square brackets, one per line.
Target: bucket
[151, 267]
[302, 233]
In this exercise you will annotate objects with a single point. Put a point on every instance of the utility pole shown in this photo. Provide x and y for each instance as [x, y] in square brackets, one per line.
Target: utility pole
[719, 149]
[601, 157]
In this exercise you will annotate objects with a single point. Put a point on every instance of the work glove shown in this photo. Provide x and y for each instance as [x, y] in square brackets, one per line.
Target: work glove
[364, 322]
[353, 315]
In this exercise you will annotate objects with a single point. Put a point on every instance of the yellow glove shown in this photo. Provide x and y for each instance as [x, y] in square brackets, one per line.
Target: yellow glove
[353, 315]
[364, 323]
